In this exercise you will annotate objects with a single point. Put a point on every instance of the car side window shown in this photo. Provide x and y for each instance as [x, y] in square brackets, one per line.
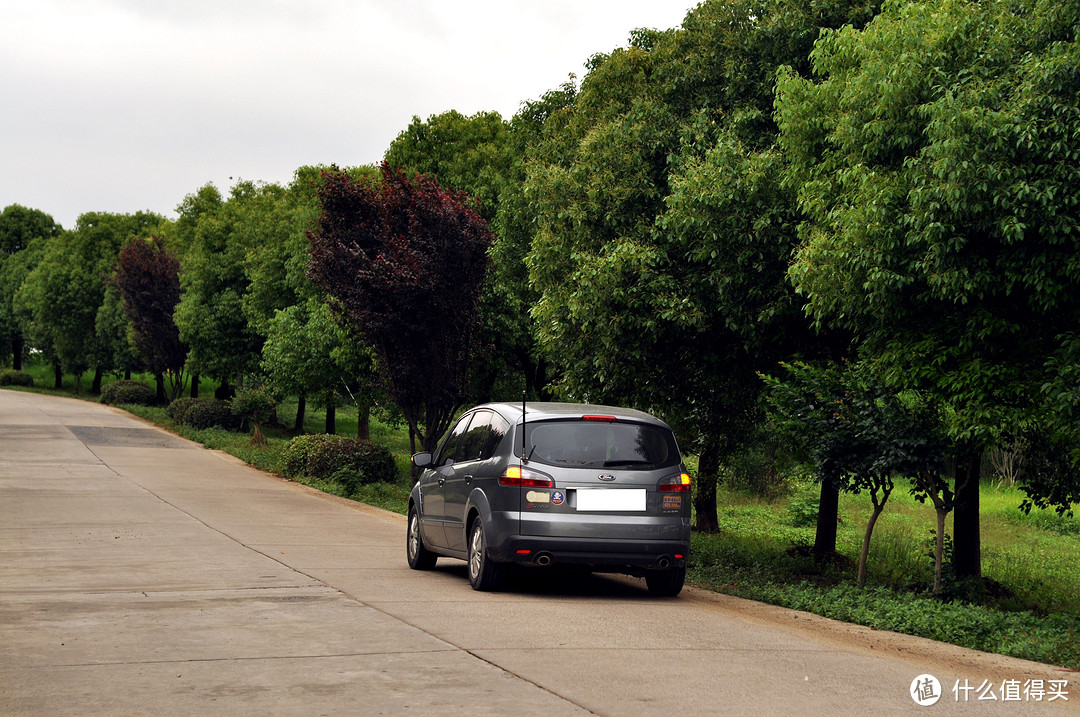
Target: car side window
[449, 452]
[470, 448]
[498, 429]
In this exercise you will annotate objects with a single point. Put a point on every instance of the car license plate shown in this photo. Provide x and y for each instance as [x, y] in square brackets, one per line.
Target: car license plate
[610, 500]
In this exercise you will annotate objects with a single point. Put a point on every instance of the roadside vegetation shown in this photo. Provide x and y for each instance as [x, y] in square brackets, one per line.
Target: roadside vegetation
[763, 548]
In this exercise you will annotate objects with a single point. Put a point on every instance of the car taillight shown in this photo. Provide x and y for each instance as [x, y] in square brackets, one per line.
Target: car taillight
[602, 419]
[675, 484]
[525, 478]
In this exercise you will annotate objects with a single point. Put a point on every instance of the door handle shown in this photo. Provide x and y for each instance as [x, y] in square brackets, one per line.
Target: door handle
[468, 480]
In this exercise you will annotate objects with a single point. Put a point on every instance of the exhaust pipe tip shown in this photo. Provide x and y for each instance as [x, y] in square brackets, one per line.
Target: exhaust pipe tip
[664, 563]
[544, 560]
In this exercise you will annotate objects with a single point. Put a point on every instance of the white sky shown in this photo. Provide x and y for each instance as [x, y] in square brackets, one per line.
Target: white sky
[122, 105]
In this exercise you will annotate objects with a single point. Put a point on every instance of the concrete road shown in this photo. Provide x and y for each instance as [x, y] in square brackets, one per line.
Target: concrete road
[141, 574]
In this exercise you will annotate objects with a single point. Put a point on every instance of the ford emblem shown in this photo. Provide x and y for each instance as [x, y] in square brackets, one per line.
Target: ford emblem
[606, 477]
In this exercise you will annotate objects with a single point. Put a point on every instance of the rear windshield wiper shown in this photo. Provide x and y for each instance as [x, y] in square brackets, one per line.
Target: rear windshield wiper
[628, 464]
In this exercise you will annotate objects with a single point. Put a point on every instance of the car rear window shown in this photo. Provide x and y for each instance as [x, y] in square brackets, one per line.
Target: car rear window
[595, 444]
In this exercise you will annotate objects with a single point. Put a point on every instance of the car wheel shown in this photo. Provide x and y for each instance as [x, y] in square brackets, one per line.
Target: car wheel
[484, 574]
[666, 583]
[420, 558]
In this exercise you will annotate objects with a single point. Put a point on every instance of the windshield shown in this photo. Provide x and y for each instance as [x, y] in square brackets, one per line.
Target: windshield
[593, 444]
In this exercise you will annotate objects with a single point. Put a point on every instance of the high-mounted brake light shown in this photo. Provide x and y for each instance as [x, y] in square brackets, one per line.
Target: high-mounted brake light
[674, 484]
[525, 478]
[604, 419]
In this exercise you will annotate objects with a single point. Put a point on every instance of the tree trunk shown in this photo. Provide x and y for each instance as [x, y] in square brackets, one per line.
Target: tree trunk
[967, 555]
[828, 512]
[159, 385]
[95, 385]
[363, 419]
[301, 413]
[17, 348]
[194, 385]
[331, 413]
[939, 545]
[705, 492]
[58, 376]
[878, 508]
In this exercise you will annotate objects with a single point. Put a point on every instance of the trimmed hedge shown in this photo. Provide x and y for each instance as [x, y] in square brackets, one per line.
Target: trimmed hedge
[11, 377]
[178, 408]
[121, 392]
[350, 462]
[205, 413]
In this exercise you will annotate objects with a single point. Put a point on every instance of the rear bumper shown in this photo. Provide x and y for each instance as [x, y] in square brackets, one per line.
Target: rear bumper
[600, 554]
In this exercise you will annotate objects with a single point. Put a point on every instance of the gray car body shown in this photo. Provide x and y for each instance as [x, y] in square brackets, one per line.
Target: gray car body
[448, 498]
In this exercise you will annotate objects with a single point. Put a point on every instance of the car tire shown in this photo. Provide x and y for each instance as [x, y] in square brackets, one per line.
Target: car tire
[666, 583]
[420, 558]
[484, 574]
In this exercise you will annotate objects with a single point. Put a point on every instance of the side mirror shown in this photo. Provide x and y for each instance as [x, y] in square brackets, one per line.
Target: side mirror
[422, 459]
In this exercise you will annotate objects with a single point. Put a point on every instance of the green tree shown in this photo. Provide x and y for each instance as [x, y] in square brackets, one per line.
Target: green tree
[508, 293]
[935, 155]
[62, 295]
[662, 229]
[860, 435]
[113, 327]
[210, 316]
[16, 322]
[469, 154]
[307, 353]
[18, 227]
[277, 276]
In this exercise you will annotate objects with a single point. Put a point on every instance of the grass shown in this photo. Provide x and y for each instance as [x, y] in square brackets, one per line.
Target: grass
[1031, 609]
[1031, 562]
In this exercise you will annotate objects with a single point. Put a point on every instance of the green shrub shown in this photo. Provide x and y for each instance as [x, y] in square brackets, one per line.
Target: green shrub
[204, 413]
[297, 453]
[179, 408]
[121, 392]
[803, 511]
[11, 377]
[350, 462]
[252, 405]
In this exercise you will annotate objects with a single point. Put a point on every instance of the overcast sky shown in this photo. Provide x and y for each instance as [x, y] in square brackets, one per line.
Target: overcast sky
[123, 105]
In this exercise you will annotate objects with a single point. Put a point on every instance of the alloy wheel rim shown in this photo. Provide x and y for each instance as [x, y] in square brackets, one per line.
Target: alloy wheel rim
[414, 535]
[476, 557]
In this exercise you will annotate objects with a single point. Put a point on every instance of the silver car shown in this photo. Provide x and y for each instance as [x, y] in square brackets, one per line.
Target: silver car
[544, 484]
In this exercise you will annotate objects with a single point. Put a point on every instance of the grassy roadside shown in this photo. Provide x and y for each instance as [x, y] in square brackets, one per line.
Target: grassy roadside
[1032, 562]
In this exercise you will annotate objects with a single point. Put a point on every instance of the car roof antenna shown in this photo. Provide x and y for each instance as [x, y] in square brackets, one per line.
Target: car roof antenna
[524, 456]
